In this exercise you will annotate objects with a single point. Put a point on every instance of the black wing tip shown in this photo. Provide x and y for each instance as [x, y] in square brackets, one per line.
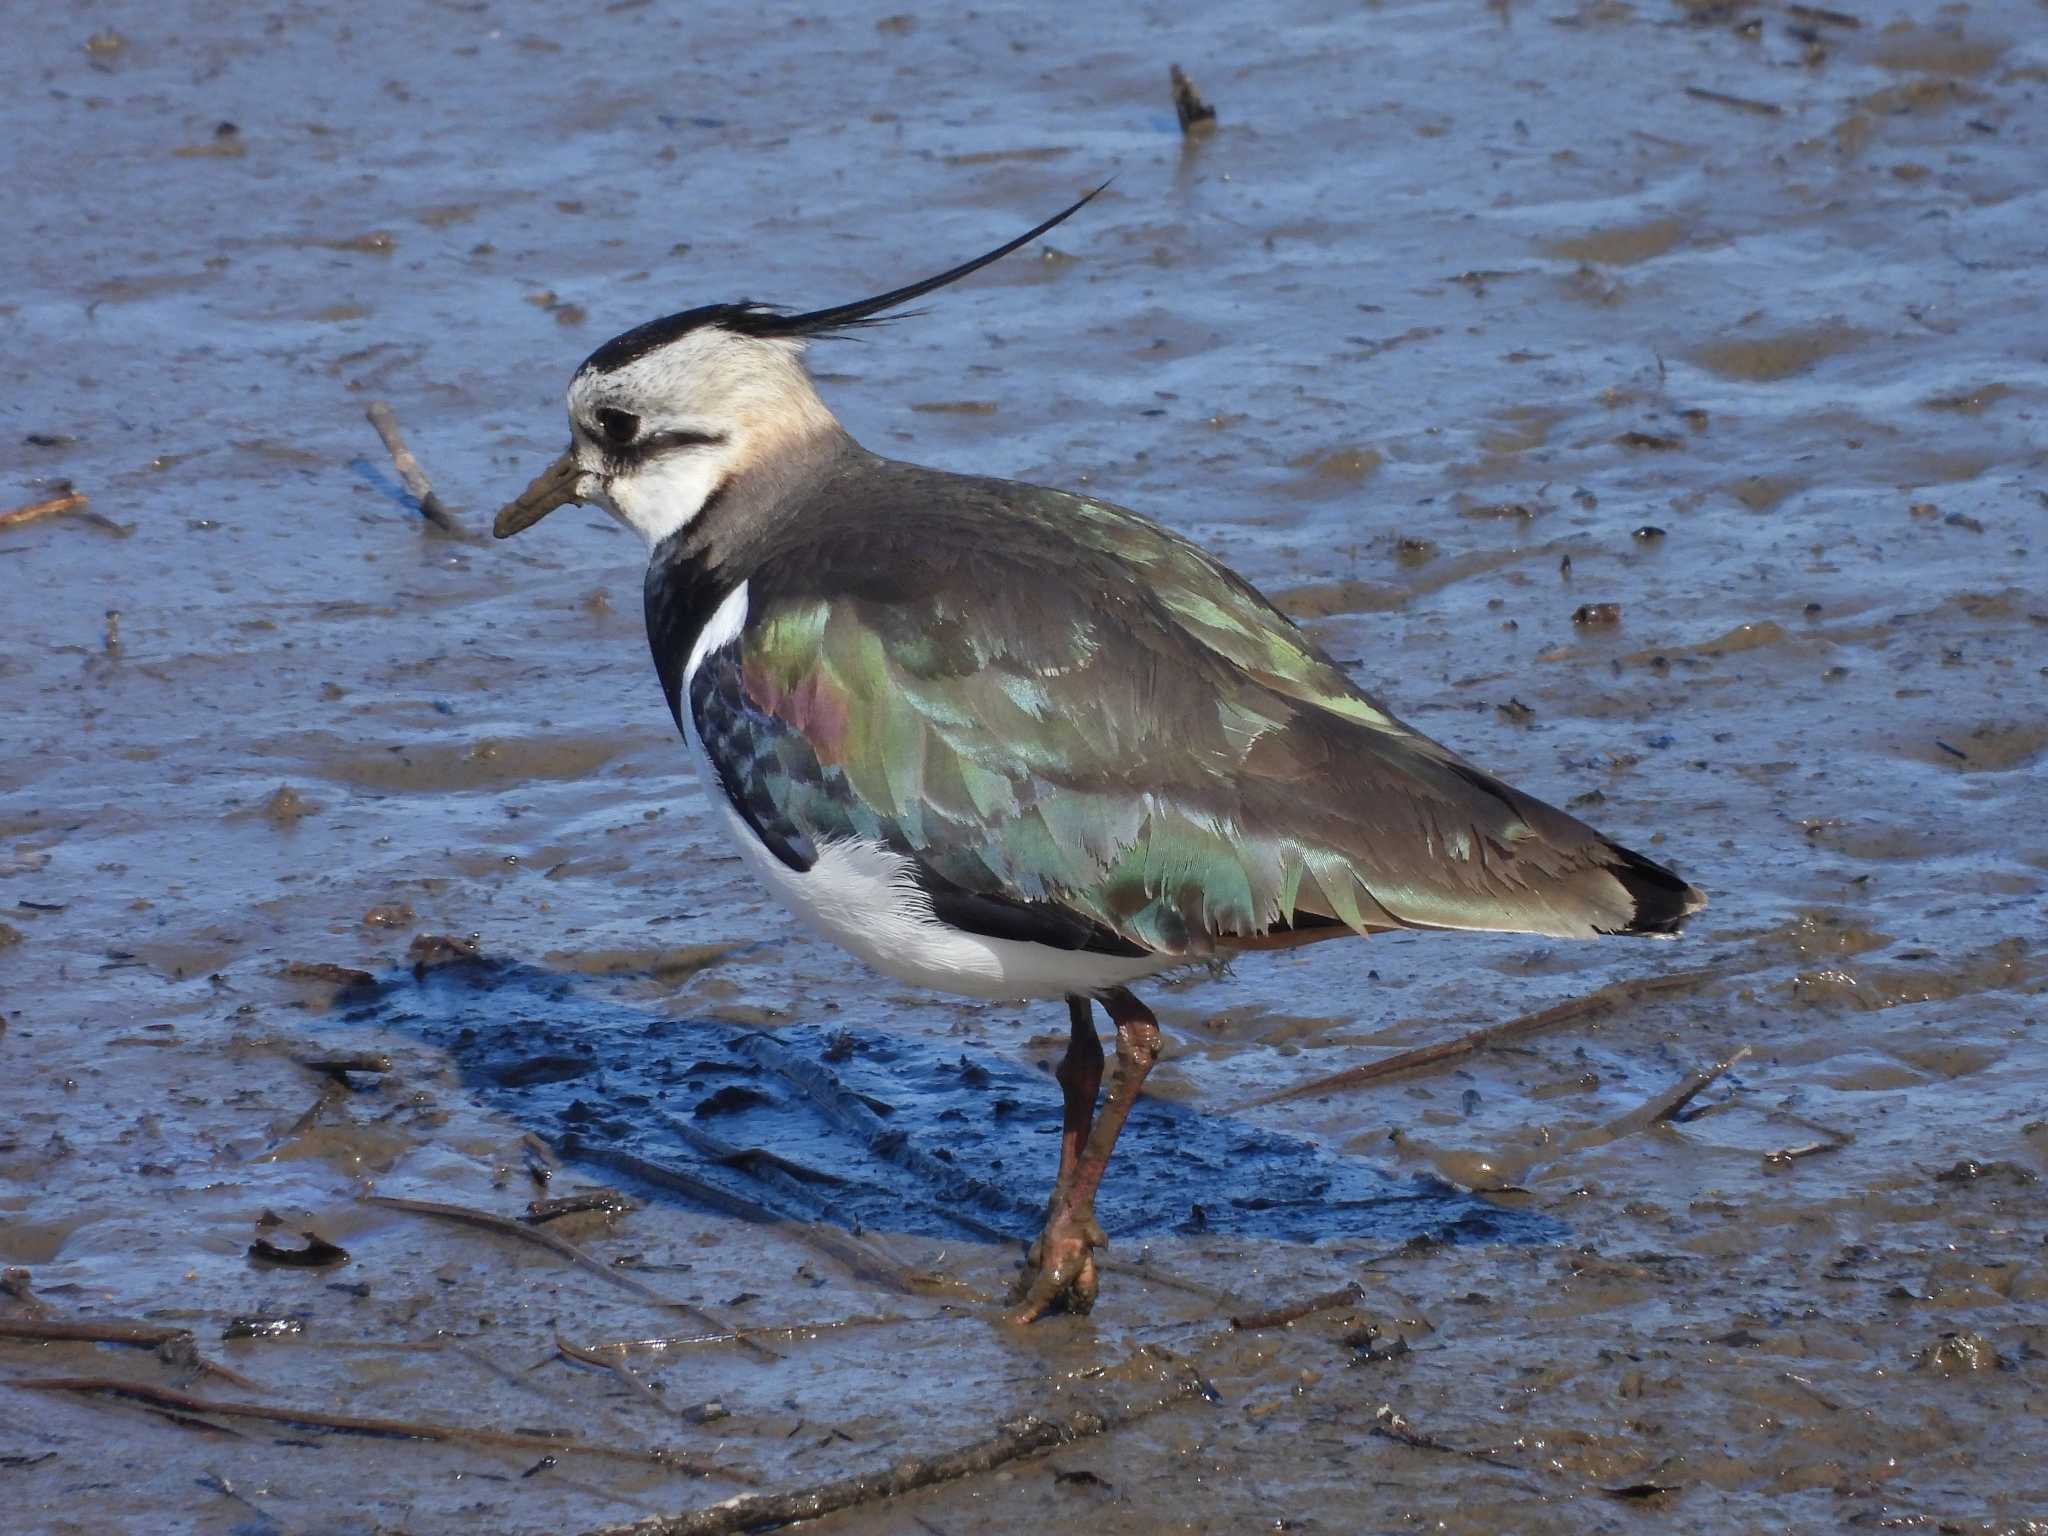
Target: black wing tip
[996, 916]
[1663, 901]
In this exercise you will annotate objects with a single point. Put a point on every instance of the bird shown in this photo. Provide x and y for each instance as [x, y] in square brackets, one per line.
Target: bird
[1017, 743]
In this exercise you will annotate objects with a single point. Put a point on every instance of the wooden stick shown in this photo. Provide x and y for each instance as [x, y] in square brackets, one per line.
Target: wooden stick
[1672, 1102]
[55, 1330]
[339, 1067]
[1196, 116]
[1148, 1273]
[1390, 1425]
[331, 1093]
[561, 1247]
[786, 1331]
[164, 1399]
[851, 1113]
[1663, 1107]
[1025, 1437]
[1605, 1000]
[1823, 15]
[841, 1247]
[611, 1358]
[408, 467]
[1278, 1317]
[177, 1344]
[795, 1180]
[35, 511]
[1739, 103]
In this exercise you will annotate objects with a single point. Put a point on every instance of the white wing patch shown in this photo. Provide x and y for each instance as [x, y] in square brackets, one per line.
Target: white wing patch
[719, 631]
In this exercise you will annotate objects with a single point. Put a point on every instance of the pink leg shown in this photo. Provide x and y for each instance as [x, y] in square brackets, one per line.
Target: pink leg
[1080, 1080]
[1064, 1253]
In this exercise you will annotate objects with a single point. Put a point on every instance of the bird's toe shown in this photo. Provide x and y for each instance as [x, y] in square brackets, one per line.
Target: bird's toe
[1059, 1273]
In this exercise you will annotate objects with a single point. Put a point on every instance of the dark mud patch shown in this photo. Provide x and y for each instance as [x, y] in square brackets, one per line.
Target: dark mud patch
[903, 1134]
[1992, 747]
[1936, 51]
[1768, 359]
[1624, 245]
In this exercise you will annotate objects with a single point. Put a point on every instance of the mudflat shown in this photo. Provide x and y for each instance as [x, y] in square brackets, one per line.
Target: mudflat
[412, 1120]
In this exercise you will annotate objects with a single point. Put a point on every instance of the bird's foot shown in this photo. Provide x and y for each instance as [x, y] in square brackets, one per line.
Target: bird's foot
[1059, 1271]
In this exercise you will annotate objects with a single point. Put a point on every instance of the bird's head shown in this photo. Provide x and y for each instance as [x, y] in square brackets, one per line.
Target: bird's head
[663, 417]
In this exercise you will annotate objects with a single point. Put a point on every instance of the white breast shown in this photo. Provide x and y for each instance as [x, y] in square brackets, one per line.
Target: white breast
[865, 898]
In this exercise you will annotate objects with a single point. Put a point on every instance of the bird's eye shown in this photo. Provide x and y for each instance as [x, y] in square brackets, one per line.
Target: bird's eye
[619, 427]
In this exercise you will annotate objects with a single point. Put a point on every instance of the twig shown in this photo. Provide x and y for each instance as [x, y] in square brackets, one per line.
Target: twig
[55, 1330]
[821, 1225]
[1605, 1000]
[1277, 1317]
[1391, 1426]
[599, 1198]
[1668, 1106]
[1196, 116]
[1740, 103]
[1832, 1139]
[176, 1345]
[841, 1247]
[1810, 1390]
[611, 1358]
[541, 1162]
[479, 1357]
[409, 471]
[758, 1161]
[1024, 1437]
[1148, 1273]
[787, 1331]
[331, 1093]
[164, 1399]
[795, 1180]
[215, 1483]
[1663, 1107]
[1821, 14]
[339, 1067]
[847, 1110]
[561, 1247]
[36, 511]
[764, 1168]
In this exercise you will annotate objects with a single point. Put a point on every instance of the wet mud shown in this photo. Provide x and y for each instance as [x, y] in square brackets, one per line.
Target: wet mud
[411, 1118]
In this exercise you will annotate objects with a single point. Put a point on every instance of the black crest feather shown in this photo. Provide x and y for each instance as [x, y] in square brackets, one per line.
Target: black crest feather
[768, 321]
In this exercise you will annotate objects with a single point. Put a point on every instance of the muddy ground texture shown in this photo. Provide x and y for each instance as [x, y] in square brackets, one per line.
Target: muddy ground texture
[412, 1120]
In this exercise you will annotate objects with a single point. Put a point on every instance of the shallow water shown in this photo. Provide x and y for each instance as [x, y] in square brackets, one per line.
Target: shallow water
[1452, 304]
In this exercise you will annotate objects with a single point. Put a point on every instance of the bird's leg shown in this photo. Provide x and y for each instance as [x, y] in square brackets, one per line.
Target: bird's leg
[1080, 1080]
[1064, 1254]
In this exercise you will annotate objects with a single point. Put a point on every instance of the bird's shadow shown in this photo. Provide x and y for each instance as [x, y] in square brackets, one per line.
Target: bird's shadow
[898, 1132]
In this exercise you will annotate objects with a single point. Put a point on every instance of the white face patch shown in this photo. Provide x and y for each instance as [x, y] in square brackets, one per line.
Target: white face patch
[666, 493]
[749, 397]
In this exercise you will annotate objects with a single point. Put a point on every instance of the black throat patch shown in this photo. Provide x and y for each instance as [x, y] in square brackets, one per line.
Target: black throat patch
[682, 592]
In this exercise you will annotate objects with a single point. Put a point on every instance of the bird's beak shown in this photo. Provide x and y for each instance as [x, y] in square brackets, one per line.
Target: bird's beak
[556, 486]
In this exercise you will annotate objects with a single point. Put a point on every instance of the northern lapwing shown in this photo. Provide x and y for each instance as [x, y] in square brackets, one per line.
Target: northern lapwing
[1012, 742]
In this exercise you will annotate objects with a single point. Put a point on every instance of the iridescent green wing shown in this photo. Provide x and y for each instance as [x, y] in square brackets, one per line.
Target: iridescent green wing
[1063, 714]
